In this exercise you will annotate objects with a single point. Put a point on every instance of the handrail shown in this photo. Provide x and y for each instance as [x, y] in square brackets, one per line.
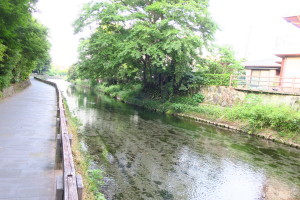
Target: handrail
[69, 186]
[275, 84]
[265, 76]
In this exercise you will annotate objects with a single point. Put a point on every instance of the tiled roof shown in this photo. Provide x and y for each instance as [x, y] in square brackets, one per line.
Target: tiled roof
[295, 20]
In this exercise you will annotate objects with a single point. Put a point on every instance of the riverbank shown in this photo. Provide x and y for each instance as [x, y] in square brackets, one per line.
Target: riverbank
[272, 122]
[14, 88]
[91, 179]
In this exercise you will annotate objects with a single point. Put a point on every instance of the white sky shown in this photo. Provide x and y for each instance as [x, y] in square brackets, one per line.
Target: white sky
[254, 28]
[58, 16]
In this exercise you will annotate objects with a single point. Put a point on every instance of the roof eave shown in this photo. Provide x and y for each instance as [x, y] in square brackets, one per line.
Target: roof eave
[287, 55]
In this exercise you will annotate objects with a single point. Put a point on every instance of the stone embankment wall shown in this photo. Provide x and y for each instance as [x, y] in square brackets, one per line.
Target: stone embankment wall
[9, 91]
[227, 96]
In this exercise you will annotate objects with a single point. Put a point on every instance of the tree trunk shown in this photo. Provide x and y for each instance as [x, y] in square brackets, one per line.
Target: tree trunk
[173, 75]
[144, 72]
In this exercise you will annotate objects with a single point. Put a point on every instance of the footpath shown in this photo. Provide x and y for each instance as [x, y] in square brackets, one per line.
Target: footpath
[27, 144]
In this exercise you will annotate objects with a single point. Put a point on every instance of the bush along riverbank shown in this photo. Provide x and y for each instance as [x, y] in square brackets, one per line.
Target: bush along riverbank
[279, 123]
[92, 179]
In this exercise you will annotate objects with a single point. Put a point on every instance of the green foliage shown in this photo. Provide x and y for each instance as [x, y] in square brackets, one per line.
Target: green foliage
[259, 116]
[213, 112]
[123, 91]
[216, 79]
[158, 42]
[188, 100]
[221, 61]
[72, 73]
[2, 51]
[23, 42]
[57, 71]
[96, 177]
[178, 107]
[190, 83]
[134, 94]
[199, 98]
[113, 89]
[252, 112]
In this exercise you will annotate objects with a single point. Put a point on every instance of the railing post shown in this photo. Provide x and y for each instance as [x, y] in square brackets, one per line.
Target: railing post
[230, 81]
[293, 85]
[59, 188]
[79, 186]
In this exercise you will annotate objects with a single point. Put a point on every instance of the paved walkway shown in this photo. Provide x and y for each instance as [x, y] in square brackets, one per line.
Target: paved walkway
[27, 144]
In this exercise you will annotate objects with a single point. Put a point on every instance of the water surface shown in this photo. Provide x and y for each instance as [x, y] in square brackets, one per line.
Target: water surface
[147, 155]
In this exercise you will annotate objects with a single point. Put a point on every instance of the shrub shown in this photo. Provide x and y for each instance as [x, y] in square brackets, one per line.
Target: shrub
[216, 79]
[183, 100]
[280, 118]
[113, 89]
[178, 107]
[211, 111]
[199, 98]
[188, 100]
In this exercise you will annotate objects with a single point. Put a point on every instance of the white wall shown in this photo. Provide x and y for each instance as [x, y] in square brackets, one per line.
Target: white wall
[291, 69]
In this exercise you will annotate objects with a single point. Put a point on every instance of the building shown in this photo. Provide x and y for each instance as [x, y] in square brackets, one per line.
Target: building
[268, 75]
[263, 68]
[290, 71]
[262, 74]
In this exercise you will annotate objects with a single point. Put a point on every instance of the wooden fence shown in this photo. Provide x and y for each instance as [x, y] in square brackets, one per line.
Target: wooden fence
[69, 186]
[281, 85]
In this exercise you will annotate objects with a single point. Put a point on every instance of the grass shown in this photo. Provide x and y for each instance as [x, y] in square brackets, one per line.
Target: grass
[281, 118]
[252, 115]
[92, 179]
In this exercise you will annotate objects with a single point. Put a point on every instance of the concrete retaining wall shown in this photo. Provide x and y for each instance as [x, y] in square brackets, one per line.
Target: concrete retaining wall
[9, 91]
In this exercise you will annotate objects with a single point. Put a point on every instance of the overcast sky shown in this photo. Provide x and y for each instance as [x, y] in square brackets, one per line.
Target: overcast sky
[254, 28]
[58, 16]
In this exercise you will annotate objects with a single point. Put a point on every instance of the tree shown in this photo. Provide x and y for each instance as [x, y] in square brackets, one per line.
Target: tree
[73, 73]
[221, 61]
[23, 41]
[156, 41]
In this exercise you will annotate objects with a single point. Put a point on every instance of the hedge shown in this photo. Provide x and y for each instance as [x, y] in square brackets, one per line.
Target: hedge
[216, 79]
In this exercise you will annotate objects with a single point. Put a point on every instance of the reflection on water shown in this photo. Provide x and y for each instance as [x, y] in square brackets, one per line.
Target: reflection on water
[147, 155]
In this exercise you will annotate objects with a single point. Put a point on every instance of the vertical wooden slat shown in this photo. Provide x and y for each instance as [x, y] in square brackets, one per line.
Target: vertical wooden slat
[293, 85]
[79, 186]
[59, 188]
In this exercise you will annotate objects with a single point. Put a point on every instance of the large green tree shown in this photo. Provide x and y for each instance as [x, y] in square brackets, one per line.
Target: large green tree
[156, 41]
[23, 41]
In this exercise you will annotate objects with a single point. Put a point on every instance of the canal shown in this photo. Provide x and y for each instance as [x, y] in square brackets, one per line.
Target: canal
[147, 155]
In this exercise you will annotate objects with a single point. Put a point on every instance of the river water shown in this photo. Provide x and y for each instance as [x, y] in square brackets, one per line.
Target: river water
[147, 155]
